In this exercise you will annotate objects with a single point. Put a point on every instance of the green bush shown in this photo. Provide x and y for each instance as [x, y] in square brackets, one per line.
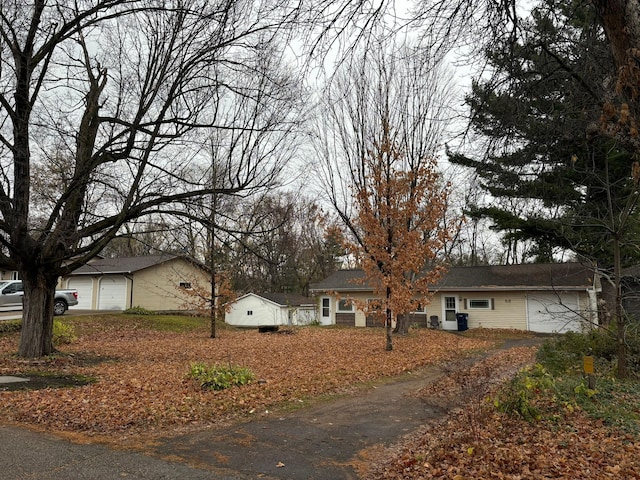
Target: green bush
[138, 311]
[520, 396]
[220, 377]
[63, 333]
[9, 326]
[565, 353]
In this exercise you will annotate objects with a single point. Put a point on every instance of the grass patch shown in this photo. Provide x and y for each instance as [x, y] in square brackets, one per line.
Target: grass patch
[165, 323]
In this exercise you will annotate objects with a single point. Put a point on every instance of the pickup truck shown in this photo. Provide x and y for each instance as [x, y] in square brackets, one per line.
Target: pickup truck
[11, 297]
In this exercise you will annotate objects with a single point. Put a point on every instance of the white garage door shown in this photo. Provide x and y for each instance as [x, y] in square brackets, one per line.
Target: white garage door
[112, 294]
[85, 292]
[553, 312]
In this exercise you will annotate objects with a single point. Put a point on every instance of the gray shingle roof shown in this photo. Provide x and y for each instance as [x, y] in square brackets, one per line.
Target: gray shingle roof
[531, 276]
[287, 299]
[121, 264]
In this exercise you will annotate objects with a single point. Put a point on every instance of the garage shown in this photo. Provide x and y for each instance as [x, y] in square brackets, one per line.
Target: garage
[84, 286]
[553, 312]
[112, 294]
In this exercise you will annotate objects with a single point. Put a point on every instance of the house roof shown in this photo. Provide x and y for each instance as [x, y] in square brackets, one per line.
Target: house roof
[121, 264]
[530, 276]
[284, 299]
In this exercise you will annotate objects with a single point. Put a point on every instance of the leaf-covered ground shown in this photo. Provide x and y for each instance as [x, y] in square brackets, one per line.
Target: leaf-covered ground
[478, 442]
[140, 389]
[141, 385]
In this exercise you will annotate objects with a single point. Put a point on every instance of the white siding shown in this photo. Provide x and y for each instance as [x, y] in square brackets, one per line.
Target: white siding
[253, 311]
[305, 315]
[506, 310]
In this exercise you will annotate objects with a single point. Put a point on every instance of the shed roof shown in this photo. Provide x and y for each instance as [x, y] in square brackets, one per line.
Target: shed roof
[286, 299]
[529, 276]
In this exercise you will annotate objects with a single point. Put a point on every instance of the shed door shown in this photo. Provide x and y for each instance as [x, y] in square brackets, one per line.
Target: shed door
[113, 293]
[553, 312]
[85, 292]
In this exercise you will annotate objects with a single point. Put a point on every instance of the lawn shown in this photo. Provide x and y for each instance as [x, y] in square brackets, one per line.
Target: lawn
[130, 377]
[138, 365]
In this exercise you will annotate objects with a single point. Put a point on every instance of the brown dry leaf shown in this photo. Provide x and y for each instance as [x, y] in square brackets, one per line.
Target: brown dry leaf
[504, 447]
[142, 387]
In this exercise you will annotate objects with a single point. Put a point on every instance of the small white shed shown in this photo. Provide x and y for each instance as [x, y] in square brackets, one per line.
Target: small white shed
[271, 309]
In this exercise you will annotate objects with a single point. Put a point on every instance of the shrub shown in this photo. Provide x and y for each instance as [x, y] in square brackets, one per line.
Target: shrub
[63, 333]
[9, 326]
[520, 396]
[137, 310]
[220, 377]
[564, 353]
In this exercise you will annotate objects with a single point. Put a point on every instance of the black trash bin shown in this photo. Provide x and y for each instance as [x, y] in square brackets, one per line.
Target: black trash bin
[463, 321]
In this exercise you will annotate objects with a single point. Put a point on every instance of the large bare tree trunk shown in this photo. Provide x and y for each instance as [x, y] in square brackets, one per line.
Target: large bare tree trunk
[36, 335]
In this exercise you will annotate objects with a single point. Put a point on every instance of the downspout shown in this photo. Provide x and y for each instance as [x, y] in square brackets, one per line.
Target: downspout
[130, 278]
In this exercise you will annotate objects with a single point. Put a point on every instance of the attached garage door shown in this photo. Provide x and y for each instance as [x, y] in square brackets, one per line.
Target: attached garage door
[85, 292]
[553, 312]
[112, 294]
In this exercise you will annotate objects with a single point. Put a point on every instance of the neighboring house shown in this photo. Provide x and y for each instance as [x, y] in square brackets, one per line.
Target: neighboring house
[271, 309]
[9, 275]
[537, 297]
[154, 282]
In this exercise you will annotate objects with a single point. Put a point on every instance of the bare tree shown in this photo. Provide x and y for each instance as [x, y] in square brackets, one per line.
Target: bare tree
[104, 97]
[402, 87]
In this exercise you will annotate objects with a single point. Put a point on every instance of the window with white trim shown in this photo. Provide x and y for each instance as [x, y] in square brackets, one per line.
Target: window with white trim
[326, 307]
[479, 303]
[345, 306]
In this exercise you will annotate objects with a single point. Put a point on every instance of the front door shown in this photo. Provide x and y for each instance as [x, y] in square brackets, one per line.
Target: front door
[450, 305]
[325, 311]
